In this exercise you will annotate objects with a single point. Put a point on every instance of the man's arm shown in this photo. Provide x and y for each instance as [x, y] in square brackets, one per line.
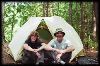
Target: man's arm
[68, 49]
[49, 48]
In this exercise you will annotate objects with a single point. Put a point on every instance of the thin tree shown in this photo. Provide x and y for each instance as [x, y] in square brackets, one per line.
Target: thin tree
[52, 8]
[47, 6]
[3, 35]
[82, 22]
[12, 23]
[95, 17]
[44, 9]
[58, 9]
[70, 12]
[36, 10]
[77, 22]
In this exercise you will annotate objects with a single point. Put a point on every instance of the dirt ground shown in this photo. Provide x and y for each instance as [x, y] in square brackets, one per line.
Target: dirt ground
[7, 59]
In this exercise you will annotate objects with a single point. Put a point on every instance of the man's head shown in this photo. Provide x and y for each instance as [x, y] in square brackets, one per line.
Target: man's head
[59, 34]
[34, 36]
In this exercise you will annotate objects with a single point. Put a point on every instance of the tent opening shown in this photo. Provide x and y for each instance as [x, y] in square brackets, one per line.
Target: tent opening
[44, 32]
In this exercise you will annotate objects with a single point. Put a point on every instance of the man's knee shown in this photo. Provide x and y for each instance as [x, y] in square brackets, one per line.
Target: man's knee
[67, 56]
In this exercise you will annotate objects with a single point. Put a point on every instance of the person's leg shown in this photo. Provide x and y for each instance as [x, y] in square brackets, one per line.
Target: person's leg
[29, 57]
[25, 60]
[25, 57]
[50, 55]
[40, 60]
[66, 57]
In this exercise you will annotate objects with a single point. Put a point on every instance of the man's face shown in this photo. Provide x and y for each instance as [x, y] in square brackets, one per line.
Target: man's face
[59, 36]
[33, 38]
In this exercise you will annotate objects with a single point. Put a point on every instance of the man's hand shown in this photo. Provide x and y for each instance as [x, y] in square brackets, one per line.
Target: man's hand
[58, 57]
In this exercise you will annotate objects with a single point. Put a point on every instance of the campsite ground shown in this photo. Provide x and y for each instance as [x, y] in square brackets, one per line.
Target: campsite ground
[7, 59]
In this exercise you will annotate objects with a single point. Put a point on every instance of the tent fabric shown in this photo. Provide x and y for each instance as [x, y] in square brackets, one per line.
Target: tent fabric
[54, 22]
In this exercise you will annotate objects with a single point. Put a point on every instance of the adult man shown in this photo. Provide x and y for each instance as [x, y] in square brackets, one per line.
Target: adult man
[32, 47]
[60, 48]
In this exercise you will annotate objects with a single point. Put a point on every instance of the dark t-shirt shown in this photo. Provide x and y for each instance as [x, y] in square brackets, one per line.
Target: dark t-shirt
[34, 45]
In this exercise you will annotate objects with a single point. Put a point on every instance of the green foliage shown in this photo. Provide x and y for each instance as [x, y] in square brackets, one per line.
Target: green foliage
[19, 12]
[91, 43]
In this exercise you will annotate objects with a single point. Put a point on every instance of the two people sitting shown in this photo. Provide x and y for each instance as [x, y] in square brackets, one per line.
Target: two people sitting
[59, 49]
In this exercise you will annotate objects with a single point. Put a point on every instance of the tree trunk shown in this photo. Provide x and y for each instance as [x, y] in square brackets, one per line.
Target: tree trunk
[70, 13]
[20, 23]
[77, 22]
[43, 9]
[82, 22]
[85, 24]
[3, 35]
[58, 9]
[47, 6]
[52, 9]
[95, 17]
[12, 24]
[66, 12]
[36, 14]
[22, 19]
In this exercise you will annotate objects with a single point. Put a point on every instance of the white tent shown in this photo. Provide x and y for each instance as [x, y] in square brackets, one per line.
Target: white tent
[16, 45]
